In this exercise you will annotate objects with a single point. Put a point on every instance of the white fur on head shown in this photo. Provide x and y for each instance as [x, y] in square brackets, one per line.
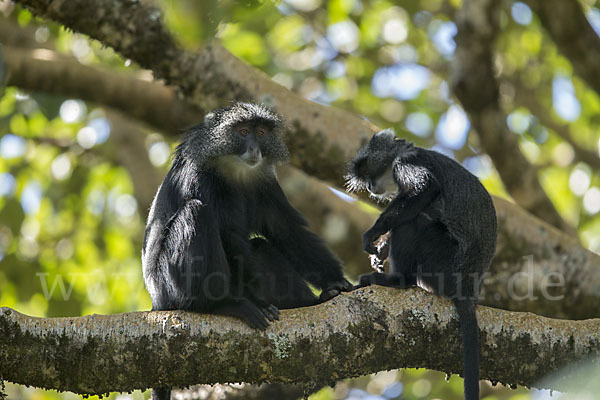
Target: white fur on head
[389, 132]
[375, 157]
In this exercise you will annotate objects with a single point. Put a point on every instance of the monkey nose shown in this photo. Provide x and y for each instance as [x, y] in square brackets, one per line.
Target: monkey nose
[255, 153]
[252, 156]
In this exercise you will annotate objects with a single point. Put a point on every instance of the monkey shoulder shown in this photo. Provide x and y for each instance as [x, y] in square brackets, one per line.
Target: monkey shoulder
[411, 173]
[464, 206]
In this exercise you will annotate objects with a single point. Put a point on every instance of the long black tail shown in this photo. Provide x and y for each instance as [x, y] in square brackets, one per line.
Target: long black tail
[469, 334]
[161, 394]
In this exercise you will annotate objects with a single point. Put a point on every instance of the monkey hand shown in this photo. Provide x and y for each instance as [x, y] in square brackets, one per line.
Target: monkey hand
[335, 288]
[269, 311]
[376, 262]
[368, 239]
[365, 280]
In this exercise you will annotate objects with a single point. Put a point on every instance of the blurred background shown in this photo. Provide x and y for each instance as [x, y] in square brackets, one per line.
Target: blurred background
[76, 178]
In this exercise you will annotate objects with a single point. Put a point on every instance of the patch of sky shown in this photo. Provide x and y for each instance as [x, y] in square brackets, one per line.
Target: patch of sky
[518, 121]
[593, 15]
[521, 13]
[344, 36]
[335, 69]
[342, 195]
[480, 166]
[419, 123]
[564, 101]
[442, 33]
[102, 128]
[300, 5]
[72, 110]
[452, 129]
[401, 81]
[31, 198]
[7, 184]
[325, 48]
[443, 150]
[12, 146]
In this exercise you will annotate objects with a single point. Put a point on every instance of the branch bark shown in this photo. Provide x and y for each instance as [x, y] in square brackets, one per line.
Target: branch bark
[540, 269]
[475, 85]
[369, 330]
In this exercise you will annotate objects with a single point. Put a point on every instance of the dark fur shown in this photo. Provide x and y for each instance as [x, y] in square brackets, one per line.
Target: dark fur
[443, 230]
[221, 236]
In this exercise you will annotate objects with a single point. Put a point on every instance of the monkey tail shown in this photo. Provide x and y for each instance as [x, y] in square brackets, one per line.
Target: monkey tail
[161, 394]
[469, 334]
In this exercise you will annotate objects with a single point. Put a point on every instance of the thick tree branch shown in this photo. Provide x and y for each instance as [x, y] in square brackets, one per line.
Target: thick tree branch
[475, 85]
[573, 34]
[370, 330]
[540, 269]
[47, 71]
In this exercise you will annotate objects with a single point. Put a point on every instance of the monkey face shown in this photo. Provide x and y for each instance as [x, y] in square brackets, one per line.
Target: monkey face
[257, 142]
[373, 166]
[378, 180]
[243, 141]
[246, 135]
[371, 169]
[249, 138]
[383, 186]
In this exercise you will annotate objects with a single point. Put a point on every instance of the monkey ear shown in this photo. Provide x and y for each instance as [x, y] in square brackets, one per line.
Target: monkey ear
[386, 133]
[210, 116]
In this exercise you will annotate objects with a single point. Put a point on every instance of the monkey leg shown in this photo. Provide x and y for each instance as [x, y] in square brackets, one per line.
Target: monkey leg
[442, 269]
[395, 280]
[276, 281]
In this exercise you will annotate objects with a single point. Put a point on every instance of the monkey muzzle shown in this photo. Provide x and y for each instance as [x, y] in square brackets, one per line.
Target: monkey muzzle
[252, 157]
[375, 189]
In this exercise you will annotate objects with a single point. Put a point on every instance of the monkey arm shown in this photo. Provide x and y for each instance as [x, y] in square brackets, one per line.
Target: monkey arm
[402, 210]
[193, 272]
[306, 252]
[180, 259]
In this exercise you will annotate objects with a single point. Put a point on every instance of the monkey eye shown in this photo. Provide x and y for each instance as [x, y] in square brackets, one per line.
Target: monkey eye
[260, 132]
[243, 131]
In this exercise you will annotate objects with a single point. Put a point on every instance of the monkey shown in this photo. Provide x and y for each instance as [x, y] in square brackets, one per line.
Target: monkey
[221, 236]
[442, 226]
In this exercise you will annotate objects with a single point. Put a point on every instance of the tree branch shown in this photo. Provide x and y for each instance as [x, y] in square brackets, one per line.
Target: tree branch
[540, 269]
[47, 71]
[571, 31]
[370, 330]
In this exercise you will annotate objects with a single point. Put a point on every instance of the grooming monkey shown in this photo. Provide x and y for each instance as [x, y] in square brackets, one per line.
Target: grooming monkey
[442, 227]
